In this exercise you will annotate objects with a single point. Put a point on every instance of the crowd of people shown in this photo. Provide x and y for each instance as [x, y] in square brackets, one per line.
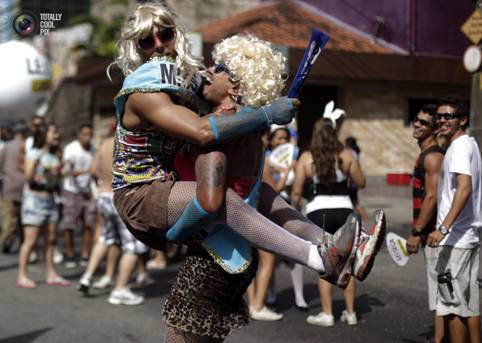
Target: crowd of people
[49, 188]
[447, 217]
[185, 163]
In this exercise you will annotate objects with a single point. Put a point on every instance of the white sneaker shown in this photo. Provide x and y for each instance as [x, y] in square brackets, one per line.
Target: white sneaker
[265, 314]
[125, 296]
[349, 318]
[103, 283]
[321, 319]
[58, 257]
[144, 280]
[84, 285]
[33, 257]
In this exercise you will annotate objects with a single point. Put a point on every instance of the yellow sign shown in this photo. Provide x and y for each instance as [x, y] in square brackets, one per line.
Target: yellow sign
[472, 27]
[41, 85]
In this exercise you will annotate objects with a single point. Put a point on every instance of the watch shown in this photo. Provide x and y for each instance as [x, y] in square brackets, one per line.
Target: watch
[443, 230]
[416, 233]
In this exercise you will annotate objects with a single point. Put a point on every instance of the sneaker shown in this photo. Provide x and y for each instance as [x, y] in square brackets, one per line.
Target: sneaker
[125, 296]
[370, 244]
[103, 283]
[265, 314]
[321, 319]
[338, 252]
[33, 257]
[70, 262]
[144, 280]
[58, 257]
[84, 285]
[156, 265]
[349, 318]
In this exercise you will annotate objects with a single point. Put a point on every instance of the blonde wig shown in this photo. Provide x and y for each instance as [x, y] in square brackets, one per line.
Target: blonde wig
[259, 69]
[140, 25]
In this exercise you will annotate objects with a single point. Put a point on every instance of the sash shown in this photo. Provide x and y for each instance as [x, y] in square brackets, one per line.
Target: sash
[229, 250]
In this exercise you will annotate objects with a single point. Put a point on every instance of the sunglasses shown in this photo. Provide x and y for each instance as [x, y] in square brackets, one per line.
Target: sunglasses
[422, 122]
[447, 116]
[222, 68]
[165, 36]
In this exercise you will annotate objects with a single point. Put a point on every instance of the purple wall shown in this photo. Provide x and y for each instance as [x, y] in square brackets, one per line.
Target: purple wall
[437, 22]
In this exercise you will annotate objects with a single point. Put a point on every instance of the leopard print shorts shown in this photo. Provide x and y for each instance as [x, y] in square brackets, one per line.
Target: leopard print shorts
[205, 300]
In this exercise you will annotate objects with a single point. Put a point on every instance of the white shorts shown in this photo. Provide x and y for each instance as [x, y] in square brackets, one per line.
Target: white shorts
[459, 268]
[114, 230]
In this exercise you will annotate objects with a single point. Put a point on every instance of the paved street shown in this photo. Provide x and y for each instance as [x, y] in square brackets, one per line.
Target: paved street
[391, 304]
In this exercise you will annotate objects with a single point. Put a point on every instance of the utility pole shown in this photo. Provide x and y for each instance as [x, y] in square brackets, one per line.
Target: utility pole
[472, 28]
[476, 100]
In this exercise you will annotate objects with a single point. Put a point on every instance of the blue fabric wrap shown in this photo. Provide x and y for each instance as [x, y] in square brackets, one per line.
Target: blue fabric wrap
[246, 120]
[189, 224]
[232, 252]
[160, 76]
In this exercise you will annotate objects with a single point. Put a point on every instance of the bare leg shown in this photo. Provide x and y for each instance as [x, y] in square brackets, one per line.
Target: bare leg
[69, 242]
[457, 328]
[98, 253]
[349, 294]
[263, 277]
[112, 257]
[326, 300]
[31, 234]
[439, 328]
[86, 242]
[50, 238]
[126, 266]
[474, 329]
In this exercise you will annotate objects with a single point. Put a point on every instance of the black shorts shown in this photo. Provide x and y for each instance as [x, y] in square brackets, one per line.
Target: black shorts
[330, 219]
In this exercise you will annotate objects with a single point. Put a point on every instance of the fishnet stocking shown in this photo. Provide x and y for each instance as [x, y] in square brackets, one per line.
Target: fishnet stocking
[274, 207]
[246, 221]
[173, 335]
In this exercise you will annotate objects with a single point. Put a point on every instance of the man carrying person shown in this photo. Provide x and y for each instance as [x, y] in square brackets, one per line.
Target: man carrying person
[79, 205]
[425, 179]
[454, 261]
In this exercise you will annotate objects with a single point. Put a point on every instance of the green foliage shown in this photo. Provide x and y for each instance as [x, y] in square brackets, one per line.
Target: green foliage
[105, 31]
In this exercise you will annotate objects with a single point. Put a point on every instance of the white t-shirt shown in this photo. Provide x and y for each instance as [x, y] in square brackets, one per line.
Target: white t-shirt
[462, 157]
[77, 158]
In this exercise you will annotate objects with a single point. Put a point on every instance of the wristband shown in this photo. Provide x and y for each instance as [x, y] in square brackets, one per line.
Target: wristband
[416, 233]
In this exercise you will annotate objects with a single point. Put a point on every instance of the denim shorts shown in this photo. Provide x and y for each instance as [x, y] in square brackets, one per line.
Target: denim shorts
[39, 209]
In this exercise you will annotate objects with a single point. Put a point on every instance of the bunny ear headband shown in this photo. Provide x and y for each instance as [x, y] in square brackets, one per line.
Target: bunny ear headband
[332, 113]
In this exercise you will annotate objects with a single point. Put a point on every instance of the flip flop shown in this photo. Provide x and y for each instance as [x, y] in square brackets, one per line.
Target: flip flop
[58, 281]
[29, 284]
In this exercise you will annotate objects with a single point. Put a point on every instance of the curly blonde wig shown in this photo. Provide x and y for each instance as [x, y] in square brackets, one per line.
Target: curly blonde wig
[140, 24]
[255, 65]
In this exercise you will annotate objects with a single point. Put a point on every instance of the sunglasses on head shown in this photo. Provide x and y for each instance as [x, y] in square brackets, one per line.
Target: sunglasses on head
[447, 116]
[165, 35]
[222, 68]
[422, 122]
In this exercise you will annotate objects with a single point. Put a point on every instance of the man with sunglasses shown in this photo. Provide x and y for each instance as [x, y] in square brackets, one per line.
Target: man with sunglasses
[424, 185]
[454, 260]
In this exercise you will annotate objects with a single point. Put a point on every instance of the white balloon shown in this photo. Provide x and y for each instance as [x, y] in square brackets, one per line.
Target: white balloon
[25, 80]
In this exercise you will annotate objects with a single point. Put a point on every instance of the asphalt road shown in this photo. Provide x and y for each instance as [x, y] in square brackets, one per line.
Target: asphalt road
[391, 304]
